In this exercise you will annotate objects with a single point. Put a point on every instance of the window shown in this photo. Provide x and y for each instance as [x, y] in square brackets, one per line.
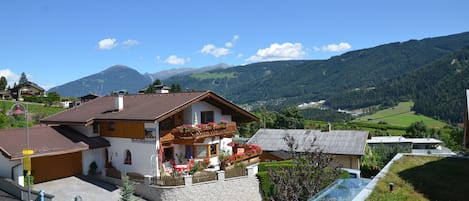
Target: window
[206, 116]
[168, 154]
[95, 128]
[111, 126]
[150, 133]
[204, 151]
[128, 157]
[213, 150]
[189, 152]
[201, 151]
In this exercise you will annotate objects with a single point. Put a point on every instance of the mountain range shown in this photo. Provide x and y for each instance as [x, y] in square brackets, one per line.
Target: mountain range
[337, 80]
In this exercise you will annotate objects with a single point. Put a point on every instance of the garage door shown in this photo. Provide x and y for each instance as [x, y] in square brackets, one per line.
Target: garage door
[54, 167]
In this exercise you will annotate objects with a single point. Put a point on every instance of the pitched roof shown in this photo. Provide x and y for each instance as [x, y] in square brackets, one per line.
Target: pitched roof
[75, 136]
[145, 107]
[28, 83]
[341, 142]
[45, 141]
[400, 139]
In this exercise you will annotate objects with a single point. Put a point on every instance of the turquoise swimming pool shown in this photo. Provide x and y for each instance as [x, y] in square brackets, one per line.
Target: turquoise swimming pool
[341, 190]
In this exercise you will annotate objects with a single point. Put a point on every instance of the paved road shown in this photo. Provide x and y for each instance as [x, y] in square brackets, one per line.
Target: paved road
[89, 189]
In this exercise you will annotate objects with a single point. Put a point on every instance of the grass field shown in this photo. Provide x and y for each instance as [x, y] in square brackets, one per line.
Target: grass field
[33, 108]
[401, 115]
[424, 178]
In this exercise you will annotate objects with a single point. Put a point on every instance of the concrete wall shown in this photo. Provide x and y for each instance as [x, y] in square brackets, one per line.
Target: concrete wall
[20, 192]
[6, 165]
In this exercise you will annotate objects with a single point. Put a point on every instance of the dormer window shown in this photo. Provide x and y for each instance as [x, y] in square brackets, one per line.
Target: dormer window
[206, 117]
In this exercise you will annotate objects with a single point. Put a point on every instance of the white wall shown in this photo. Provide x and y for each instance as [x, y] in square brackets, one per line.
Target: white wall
[198, 107]
[141, 152]
[85, 130]
[6, 165]
[96, 155]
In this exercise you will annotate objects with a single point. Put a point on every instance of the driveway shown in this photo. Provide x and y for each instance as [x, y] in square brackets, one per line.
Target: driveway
[88, 189]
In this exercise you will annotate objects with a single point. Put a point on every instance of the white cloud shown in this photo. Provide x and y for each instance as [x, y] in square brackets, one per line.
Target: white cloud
[235, 38]
[10, 76]
[231, 43]
[228, 44]
[285, 51]
[174, 60]
[336, 47]
[129, 43]
[107, 44]
[215, 51]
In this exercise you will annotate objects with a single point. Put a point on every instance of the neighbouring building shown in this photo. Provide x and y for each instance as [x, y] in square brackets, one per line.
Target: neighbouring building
[26, 89]
[411, 145]
[347, 146]
[126, 134]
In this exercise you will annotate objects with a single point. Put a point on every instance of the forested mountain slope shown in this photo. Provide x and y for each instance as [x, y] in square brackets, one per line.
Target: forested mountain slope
[103, 83]
[294, 82]
[438, 89]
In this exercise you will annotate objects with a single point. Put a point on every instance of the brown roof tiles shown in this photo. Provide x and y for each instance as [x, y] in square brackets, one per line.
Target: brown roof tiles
[144, 107]
[45, 141]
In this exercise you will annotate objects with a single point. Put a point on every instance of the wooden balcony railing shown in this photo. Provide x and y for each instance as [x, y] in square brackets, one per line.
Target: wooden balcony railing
[188, 132]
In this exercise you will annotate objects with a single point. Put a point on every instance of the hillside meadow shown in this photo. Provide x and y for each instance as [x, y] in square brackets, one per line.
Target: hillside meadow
[400, 115]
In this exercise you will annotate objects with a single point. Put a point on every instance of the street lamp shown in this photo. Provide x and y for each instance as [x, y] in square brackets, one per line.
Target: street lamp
[27, 152]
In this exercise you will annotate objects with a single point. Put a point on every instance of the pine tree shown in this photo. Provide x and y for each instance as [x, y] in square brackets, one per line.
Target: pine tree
[127, 189]
[23, 79]
[3, 83]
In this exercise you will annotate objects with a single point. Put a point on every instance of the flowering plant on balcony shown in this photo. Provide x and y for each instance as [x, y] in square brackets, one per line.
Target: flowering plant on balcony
[251, 150]
[187, 129]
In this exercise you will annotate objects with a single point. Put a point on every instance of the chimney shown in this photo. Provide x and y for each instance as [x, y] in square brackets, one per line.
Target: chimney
[119, 102]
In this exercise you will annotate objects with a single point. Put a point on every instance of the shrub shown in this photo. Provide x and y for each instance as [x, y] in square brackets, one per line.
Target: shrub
[92, 168]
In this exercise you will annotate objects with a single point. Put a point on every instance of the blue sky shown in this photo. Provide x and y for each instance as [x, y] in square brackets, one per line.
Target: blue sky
[55, 42]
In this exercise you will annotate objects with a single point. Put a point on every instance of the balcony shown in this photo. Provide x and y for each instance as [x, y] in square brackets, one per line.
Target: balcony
[201, 131]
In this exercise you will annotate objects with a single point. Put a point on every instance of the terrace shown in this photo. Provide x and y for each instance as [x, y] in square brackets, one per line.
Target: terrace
[192, 133]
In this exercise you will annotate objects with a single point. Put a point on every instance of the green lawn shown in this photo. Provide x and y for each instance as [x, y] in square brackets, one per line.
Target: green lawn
[33, 108]
[400, 115]
[424, 178]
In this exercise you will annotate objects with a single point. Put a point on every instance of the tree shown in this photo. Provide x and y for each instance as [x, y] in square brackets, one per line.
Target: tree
[151, 89]
[290, 118]
[3, 83]
[417, 130]
[127, 189]
[23, 79]
[53, 96]
[308, 174]
[176, 88]
[157, 82]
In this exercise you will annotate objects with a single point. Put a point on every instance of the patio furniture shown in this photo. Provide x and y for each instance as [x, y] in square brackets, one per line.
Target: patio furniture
[182, 168]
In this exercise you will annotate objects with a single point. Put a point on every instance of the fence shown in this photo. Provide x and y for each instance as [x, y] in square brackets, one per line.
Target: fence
[235, 172]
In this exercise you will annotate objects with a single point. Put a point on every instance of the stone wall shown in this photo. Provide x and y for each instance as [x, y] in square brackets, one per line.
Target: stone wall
[240, 188]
